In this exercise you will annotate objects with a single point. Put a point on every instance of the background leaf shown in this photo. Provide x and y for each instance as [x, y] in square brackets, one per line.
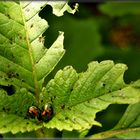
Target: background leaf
[130, 119]
[124, 8]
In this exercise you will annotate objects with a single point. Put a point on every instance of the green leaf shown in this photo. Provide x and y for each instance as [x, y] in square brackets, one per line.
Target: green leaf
[24, 61]
[16, 124]
[18, 103]
[130, 122]
[76, 98]
[13, 112]
[121, 9]
[61, 7]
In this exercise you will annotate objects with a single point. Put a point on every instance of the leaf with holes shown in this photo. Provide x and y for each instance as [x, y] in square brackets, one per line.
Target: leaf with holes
[76, 98]
[24, 61]
[13, 112]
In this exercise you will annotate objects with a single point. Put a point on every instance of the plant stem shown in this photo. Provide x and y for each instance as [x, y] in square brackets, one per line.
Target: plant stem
[111, 133]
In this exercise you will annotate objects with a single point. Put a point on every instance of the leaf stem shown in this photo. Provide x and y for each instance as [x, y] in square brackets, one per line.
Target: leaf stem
[111, 133]
[32, 60]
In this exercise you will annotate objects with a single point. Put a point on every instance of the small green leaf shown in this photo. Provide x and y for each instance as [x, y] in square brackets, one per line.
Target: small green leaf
[130, 119]
[61, 7]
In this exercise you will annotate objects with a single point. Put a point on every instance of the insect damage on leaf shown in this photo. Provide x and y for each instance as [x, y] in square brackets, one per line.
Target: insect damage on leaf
[25, 62]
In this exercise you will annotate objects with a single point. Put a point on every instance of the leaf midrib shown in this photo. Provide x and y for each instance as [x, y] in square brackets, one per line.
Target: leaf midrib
[89, 100]
[36, 85]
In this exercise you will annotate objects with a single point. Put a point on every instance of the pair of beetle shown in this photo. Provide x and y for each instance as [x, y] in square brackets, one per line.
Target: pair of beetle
[44, 115]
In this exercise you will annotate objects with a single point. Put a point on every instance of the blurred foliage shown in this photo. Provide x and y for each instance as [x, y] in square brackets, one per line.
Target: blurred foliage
[99, 31]
[122, 9]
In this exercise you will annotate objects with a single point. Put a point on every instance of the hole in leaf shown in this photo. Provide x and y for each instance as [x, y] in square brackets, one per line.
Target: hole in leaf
[50, 37]
[11, 74]
[11, 42]
[66, 118]
[31, 25]
[20, 112]
[22, 80]
[8, 15]
[104, 84]
[3, 109]
[69, 108]
[9, 89]
[20, 37]
[62, 106]
[71, 89]
[6, 109]
[51, 99]
[17, 74]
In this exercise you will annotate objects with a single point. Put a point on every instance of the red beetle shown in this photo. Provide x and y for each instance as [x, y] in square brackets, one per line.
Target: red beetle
[47, 113]
[34, 112]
